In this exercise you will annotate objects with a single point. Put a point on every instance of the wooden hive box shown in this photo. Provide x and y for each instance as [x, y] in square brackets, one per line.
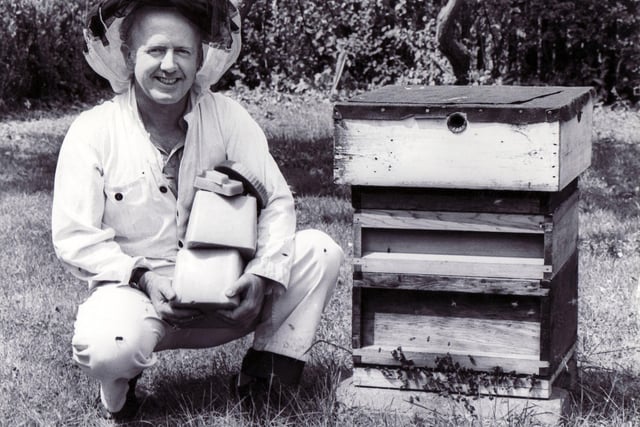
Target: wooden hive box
[488, 289]
[465, 242]
[486, 137]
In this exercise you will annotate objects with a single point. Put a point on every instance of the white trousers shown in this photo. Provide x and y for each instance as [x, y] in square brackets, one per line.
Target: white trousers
[117, 329]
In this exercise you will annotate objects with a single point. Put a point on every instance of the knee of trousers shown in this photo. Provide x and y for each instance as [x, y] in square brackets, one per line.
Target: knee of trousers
[115, 333]
[319, 256]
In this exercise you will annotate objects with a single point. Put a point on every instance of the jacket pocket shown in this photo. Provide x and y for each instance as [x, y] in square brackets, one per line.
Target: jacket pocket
[129, 210]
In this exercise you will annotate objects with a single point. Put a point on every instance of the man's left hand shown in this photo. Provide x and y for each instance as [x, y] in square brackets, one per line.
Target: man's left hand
[251, 290]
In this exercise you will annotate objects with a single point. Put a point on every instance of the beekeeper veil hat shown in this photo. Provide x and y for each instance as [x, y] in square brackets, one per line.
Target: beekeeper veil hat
[217, 20]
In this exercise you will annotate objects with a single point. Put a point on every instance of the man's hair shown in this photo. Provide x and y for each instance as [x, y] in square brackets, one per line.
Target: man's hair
[126, 28]
[210, 17]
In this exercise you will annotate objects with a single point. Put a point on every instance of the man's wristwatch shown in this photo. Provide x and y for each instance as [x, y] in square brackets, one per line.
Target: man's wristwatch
[136, 275]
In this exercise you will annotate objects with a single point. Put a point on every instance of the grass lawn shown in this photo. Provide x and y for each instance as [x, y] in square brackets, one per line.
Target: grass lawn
[40, 386]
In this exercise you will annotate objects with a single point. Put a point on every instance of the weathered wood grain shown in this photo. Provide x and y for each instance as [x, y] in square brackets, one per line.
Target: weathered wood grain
[449, 221]
[459, 200]
[459, 334]
[356, 318]
[425, 153]
[575, 144]
[427, 358]
[357, 240]
[390, 378]
[564, 237]
[563, 311]
[470, 243]
[453, 265]
[462, 323]
[433, 283]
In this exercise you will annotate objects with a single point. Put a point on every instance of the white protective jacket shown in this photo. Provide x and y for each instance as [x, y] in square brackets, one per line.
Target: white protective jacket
[111, 208]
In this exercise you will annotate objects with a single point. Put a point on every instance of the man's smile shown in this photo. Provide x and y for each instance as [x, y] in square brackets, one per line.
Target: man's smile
[167, 80]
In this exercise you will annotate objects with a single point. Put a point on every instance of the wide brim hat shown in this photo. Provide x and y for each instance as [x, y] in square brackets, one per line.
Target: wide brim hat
[217, 20]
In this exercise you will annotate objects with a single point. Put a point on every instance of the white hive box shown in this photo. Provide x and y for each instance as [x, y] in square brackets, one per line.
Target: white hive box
[481, 137]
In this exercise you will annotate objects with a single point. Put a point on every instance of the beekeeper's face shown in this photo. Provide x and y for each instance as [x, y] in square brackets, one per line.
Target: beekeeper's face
[164, 54]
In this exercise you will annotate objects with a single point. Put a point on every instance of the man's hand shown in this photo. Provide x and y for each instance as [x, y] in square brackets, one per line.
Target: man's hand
[161, 293]
[251, 289]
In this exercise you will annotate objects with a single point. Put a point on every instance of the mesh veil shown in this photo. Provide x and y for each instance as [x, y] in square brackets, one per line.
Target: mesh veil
[217, 20]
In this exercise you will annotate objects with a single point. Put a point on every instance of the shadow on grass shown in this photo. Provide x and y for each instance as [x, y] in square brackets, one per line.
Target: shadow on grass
[27, 172]
[208, 401]
[187, 395]
[614, 184]
[307, 167]
[610, 396]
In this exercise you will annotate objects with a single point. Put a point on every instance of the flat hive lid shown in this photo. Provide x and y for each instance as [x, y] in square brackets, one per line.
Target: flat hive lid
[508, 104]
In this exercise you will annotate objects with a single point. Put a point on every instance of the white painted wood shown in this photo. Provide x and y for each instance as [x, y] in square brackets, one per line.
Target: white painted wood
[453, 265]
[458, 334]
[425, 153]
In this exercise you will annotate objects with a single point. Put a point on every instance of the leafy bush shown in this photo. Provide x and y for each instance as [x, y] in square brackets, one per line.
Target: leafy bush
[293, 45]
[585, 42]
[296, 42]
[40, 43]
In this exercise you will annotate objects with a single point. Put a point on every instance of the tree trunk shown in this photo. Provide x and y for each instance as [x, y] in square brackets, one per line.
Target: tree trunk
[450, 47]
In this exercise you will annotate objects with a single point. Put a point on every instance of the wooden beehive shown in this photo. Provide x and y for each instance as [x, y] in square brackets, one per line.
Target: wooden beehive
[475, 266]
[487, 137]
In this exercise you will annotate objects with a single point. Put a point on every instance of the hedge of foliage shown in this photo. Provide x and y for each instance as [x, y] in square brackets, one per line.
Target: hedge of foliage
[293, 45]
[39, 47]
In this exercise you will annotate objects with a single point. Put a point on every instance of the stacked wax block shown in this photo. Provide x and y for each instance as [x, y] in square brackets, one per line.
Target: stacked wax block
[221, 235]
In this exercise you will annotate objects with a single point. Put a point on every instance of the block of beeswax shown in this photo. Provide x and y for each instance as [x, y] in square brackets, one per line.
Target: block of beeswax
[202, 277]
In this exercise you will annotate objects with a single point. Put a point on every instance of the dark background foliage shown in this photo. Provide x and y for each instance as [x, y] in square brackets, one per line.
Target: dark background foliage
[292, 45]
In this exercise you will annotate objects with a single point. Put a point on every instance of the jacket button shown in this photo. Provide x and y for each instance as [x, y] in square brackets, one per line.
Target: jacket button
[119, 196]
[163, 189]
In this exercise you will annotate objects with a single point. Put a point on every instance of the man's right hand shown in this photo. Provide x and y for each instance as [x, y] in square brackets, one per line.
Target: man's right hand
[161, 293]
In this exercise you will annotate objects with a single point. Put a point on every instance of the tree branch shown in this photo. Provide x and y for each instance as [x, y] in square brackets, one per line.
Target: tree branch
[244, 7]
[451, 48]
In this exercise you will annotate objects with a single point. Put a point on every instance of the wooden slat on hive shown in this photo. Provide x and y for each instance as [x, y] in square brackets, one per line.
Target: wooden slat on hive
[466, 243]
[442, 322]
[449, 221]
[452, 265]
[459, 200]
[463, 334]
[562, 318]
[433, 283]
[428, 358]
[356, 318]
[392, 378]
[562, 240]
